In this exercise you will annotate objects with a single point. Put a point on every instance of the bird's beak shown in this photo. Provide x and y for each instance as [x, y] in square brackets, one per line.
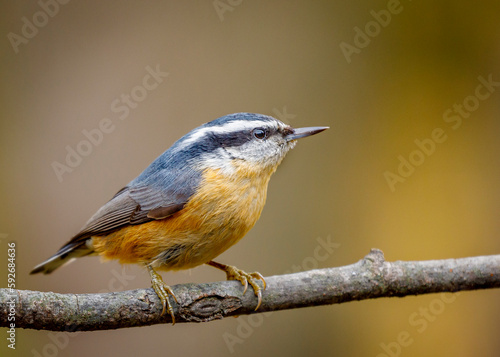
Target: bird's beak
[303, 132]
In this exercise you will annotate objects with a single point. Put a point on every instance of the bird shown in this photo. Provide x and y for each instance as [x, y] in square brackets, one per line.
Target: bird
[193, 202]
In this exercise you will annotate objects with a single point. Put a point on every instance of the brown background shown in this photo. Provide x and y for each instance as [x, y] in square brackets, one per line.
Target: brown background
[261, 57]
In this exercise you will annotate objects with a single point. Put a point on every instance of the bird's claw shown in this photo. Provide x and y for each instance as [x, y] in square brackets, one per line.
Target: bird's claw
[163, 291]
[244, 278]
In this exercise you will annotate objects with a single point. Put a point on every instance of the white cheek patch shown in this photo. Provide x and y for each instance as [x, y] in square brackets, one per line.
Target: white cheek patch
[262, 153]
[218, 159]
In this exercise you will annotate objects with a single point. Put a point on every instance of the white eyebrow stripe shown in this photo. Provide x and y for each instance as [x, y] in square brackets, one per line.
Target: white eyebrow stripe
[233, 126]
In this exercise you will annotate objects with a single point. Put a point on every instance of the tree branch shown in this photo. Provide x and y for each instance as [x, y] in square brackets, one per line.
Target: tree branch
[370, 278]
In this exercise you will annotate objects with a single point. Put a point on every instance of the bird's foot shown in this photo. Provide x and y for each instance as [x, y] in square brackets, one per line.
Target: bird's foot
[244, 278]
[163, 291]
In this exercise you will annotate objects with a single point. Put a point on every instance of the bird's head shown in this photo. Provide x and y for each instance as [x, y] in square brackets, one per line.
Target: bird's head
[257, 141]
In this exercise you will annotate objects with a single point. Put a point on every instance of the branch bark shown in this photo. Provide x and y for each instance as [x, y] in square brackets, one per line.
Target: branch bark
[370, 278]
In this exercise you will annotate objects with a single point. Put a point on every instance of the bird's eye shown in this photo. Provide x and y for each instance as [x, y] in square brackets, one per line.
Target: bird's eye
[259, 133]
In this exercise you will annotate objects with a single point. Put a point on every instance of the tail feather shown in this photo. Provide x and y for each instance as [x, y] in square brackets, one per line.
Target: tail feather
[64, 256]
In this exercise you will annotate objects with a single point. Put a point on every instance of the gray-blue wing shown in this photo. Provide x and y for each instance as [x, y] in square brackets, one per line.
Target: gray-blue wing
[157, 197]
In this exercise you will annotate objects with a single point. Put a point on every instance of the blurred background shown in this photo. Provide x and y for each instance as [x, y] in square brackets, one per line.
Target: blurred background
[383, 75]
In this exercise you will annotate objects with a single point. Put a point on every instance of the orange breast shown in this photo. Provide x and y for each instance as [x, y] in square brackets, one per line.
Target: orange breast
[219, 214]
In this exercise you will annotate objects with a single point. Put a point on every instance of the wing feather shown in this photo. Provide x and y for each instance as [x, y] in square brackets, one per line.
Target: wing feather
[140, 202]
[157, 193]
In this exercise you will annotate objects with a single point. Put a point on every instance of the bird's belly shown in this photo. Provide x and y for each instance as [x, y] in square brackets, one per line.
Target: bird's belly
[218, 215]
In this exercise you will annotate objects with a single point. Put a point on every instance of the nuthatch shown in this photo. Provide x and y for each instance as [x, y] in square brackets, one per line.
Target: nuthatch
[192, 203]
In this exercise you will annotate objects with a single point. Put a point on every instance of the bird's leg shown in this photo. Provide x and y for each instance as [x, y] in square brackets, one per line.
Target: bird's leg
[234, 273]
[163, 291]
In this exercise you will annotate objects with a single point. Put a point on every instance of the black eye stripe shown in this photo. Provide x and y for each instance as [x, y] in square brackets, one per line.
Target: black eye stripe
[212, 141]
